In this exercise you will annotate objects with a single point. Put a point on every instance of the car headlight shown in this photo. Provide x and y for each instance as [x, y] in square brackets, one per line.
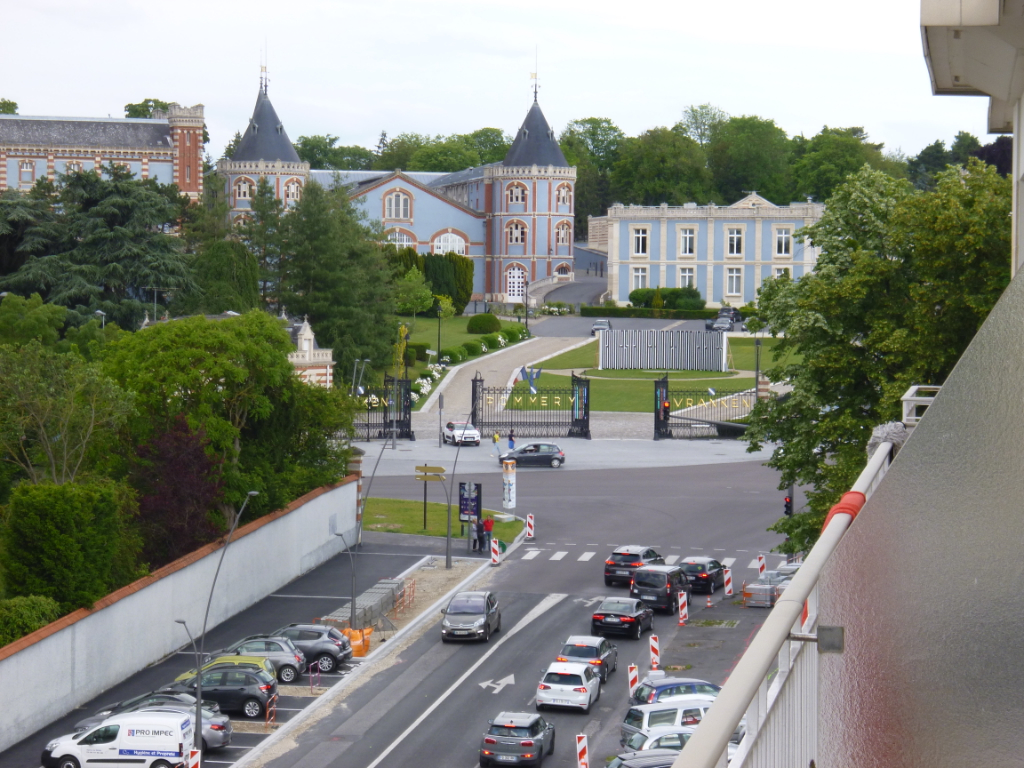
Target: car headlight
[445, 623]
[479, 622]
[52, 745]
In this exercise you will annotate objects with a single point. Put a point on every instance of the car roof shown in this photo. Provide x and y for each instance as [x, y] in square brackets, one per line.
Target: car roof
[688, 699]
[582, 640]
[317, 627]
[696, 560]
[516, 719]
[661, 730]
[630, 549]
[673, 680]
[470, 594]
[569, 667]
[659, 568]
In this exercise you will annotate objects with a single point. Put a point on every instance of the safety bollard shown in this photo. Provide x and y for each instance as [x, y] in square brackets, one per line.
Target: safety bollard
[760, 565]
[495, 553]
[634, 678]
[529, 527]
[582, 758]
[683, 609]
[728, 582]
[655, 652]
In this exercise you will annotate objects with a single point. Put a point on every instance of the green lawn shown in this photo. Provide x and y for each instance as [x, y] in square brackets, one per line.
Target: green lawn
[453, 331]
[402, 516]
[742, 352]
[651, 375]
[622, 395]
[581, 357]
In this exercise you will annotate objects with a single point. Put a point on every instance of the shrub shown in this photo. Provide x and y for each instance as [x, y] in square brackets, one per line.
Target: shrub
[409, 357]
[472, 347]
[511, 334]
[491, 340]
[485, 323]
[419, 348]
[671, 314]
[21, 616]
[456, 354]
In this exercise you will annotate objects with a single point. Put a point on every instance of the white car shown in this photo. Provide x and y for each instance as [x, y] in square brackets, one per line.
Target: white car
[569, 684]
[668, 737]
[460, 433]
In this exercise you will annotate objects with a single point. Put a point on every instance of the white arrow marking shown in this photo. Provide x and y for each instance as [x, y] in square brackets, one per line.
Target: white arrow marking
[588, 601]
[510, 680]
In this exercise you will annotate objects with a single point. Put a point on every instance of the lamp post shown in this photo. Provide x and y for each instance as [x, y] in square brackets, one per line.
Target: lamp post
[198, 734]
[526, 300]
[206, 616]
[103, 318]
[352, 565]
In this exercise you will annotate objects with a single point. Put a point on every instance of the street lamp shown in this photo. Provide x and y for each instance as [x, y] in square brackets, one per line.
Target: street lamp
[198, 734]
[103, 317]
[526, 297]
[202, 638]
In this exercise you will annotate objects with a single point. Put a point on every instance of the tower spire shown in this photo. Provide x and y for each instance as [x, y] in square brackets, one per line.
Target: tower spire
[533, 75]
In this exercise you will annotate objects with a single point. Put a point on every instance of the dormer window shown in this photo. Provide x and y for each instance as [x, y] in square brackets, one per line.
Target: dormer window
[396, 206]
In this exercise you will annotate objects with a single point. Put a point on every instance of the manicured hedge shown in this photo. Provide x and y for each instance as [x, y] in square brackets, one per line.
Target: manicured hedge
[485, 323]
[472, 347]
[419, 348]
[491, 340]
[455, 354]
[665, 314]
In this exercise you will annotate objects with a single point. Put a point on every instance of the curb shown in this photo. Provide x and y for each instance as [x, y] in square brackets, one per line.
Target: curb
[452, 370]
[512, 378]
[382, 651]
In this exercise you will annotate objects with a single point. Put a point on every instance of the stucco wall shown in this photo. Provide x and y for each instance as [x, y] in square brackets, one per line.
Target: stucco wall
[69, 662]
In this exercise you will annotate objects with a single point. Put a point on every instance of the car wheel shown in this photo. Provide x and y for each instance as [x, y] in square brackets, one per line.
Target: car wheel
[586, 709]
[326, 663]
[608, 582]
[206, 747]
[540, 707]
[160, 764]
[484, 761]
[639, 630]
[287, 674]
[252, 708]
[67, 762]
[595, 631]
[712, 588]
[498, 628]
[674, 606]
[556, 463]
[615, 663]
[487, 633]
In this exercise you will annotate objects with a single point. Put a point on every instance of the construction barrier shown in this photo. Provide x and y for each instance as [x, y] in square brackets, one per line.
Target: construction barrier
[684, 613]
[582, 758]
[728, 582]
[633, 679]
[270, 713]
[495, 552]
[710, 604]
[655, 652]
[314, 677]
[529, 527]
[360, 639]
[760, 565]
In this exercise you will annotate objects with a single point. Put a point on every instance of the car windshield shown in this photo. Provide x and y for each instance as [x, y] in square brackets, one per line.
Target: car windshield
[580, 651]
[624, 558]
[334, 634]
[508, 730]
[649, 579]
[643, 692]
[562, 678]
[636, 741]
[465, 606]
[616, 606]
[694, 567]
[634, 718]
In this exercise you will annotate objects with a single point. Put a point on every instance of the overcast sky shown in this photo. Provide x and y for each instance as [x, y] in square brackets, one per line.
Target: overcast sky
[352, 68]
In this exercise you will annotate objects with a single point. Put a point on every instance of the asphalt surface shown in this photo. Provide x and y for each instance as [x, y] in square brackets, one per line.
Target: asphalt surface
[573, 325]
[583, 290]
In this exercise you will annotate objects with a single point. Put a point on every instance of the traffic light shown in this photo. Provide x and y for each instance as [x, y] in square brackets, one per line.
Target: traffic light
[788, 505]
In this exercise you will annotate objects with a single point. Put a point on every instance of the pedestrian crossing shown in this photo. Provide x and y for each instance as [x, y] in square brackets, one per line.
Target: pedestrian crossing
[554, 553]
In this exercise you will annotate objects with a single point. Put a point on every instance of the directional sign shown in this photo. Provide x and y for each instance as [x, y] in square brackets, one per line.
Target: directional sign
[510, 680]
[431, 478]
[588, 601]
[430, 469]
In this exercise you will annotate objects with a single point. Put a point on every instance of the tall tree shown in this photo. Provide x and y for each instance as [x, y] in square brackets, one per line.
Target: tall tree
[700, 122]
[999, 153]
[397, 153]
[825, 161]
[24, 320]
[8, 107]
[262, 230]
[322, 153]
[145, 108]
[661, 166]
[491, 144]
[450, 155]
[929, 162]
[232, 146]
[750, 154]
[964, 147]
[26, 225]
[412, 294]
[600, 136]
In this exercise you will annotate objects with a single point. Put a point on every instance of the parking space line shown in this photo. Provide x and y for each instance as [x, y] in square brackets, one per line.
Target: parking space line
[586, 556]
[671, 559]
[559, 555]
[530, 555]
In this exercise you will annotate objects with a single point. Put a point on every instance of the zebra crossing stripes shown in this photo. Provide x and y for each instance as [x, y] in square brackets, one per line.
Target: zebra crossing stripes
[585, 556]
[533, 554]
[671, 559]
[558, 555]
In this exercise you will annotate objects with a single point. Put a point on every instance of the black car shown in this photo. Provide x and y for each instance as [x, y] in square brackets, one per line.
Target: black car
[234, 689]
[619, 567]
[622, 615]
[535, 455]
[659, 586]
[323, 646]
[704, 573]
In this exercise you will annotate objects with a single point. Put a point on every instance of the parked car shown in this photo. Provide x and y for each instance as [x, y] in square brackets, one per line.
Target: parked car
[322, 645]
[623, 615]
[623, 561]
[460, 433]
[651, 758]
[153, 698]
[520, 738]
[722, 324]
[535, 455]
[704, 573]
[471, 616]
[686, 710]
[657, 687]
[151, 739]
[662, 737]
[659, 586]
[567, 684]
[287, 660]
[595, 651]
[232, 662]
[236, 690]
[732, 313]
[217, 730]
[600, 325]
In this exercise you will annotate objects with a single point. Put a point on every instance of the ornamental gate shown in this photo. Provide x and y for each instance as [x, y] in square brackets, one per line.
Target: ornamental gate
[375, 421]
[698, 413]
[549, 412]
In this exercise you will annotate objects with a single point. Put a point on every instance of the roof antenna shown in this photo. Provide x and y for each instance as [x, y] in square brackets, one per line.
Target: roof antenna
[533, 75]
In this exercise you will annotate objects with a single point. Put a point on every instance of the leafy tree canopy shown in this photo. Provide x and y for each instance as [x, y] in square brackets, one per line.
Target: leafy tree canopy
[824, 162]
[660, 166]
[145, 108]
[749, 154]
[397, 153]
[8, 107]
[322, 154]
[491, 144]
[700, 122]
[598, 136]
[449, 155]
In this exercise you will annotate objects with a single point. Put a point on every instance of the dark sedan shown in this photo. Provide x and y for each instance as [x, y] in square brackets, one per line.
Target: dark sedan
[622, 615]
[535, 455]
[704, 573]
[244, 690]
[623, 562]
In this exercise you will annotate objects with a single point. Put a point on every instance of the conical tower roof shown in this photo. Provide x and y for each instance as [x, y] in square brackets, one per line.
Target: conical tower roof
[265, 138]
[535, 143]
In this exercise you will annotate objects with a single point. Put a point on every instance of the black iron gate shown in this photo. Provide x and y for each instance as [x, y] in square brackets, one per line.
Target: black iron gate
[550, 412]
[698, 413]
[379, 413]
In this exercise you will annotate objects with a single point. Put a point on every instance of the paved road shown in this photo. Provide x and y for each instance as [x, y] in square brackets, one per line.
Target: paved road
[583, 290]
[574, 325]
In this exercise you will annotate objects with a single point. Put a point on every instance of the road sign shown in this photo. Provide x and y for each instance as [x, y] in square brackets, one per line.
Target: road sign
[431, 478]
[510, 680]
[430, 469]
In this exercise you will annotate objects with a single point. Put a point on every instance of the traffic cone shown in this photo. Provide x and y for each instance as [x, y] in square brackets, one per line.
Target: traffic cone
[709, 605]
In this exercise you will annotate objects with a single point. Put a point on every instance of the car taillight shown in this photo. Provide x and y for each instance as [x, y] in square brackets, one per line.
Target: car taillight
[703, 576]
[528, 755]
[265, 687]
[298, 658]
[543, 687]
[596, 662]
[580, 690]
[598, 617]
[636, 565]
[338, 643]
[668, 588]
[561, 658]
[489, 740]
[609, 562]
[628, 619]
[216, 727]
[526, 743]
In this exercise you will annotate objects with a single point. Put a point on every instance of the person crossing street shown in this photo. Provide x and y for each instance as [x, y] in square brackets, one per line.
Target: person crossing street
[496, 445]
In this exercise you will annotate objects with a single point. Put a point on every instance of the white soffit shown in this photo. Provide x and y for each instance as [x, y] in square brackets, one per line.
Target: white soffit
[960, 13]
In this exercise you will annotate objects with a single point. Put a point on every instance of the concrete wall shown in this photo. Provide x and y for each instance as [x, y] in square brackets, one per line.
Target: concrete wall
[69, 662]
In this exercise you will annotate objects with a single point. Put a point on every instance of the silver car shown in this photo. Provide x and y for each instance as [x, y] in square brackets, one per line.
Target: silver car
[595, 651]
[216, 727]
[471, 616]
[518, 738]
[287, 660]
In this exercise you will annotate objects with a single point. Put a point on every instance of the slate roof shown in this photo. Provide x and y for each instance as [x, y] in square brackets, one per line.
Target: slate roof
[353, 179]
[107, 133]
[265, 137]
[459, 177]
[535, 143]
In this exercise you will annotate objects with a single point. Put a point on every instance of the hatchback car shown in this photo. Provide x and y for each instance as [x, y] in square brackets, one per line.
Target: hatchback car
[619, 567]
[471, 616]
[659, 586]
[217, 730]
[662, 737]
[321, 645]
[600, 325]
[243, 690]
[658, 688]
[535, 455]
[622, 615]
[651, 758]
[595, 651]
[460, 433]
[287, 660]
[704, 573]
[233, 662]
[151, 699]
[517, 738]
[566, 684]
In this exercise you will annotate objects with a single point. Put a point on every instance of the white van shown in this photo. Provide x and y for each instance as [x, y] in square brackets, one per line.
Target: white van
[144, 739]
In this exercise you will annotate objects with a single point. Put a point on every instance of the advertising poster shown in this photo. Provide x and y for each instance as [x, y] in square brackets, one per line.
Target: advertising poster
[508, 485]
[470, 501]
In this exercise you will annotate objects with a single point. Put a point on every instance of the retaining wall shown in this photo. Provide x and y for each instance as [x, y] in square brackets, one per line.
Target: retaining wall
[67, 663]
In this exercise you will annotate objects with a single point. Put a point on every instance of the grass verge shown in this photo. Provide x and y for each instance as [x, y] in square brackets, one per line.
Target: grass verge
[581, 357]
[618, 395]
[742, 352]
[403, 516]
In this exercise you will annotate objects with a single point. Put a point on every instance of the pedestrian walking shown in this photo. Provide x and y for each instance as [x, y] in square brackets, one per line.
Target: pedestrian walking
[482, 538]
[488, 532]
[511, 439]
[496, 445]
[474, 533]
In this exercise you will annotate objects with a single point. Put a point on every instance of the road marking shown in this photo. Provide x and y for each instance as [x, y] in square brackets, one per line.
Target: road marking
[752, 564]
[531, 554]
[586, 556]
[699, 549]
[675, 547]
[542, 607]
[497, 686]
[559, 555]
[671, 559]
[318, 597]
[588, 601]
[728, 561]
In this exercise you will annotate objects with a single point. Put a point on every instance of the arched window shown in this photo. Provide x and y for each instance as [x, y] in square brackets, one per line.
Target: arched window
[26, 172]
[293, 190]
[73, 166]
[564, 195]
[243, 189]
[562, 269]
[396, 206]
[516, 233]
[515, 283]
[449, 242]
[401, 239]
[516, 194]
[563, 234]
